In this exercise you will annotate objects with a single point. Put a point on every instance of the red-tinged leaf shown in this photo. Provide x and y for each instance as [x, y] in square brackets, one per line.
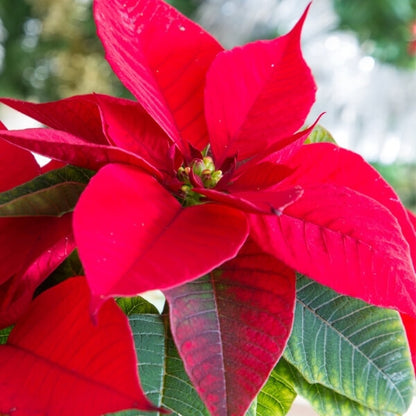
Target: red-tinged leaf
[231, 327]
[134, 236]
[53, 245]
[78, 115]
[344, 168]
[56, 200]
[57, 362]
[73, 150]
[264, 202]
[128, 126]
[257, 95]
[162, 58]
[16, 166]
[23, 240]
[409, 324]
[51, 194]
[346, 241]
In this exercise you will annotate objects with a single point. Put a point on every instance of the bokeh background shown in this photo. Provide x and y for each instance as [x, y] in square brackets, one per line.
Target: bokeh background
[362, 54]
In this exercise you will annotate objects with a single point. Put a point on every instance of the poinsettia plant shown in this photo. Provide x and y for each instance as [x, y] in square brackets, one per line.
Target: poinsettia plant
[286, 262]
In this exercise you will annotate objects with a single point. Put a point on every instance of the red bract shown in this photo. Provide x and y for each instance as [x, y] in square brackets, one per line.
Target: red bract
[31, 248]
[160, 173]
[169, 172]
[232, 326]
[57, 362]
[409, 322]
[208, 156]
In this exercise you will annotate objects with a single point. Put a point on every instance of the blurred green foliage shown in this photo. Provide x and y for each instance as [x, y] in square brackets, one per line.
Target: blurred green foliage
[18, 47]
[384, 27]
[51, 49]
[402, 177]
[187, 7]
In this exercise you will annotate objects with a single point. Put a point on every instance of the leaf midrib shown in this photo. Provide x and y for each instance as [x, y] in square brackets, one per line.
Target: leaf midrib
[356, 348]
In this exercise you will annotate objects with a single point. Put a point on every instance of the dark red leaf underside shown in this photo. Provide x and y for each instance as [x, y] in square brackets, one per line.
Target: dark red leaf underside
[161, 57]
[231, 327]
[22, 240]
[16, 166]
[57, 362]
[78, 115]
[32, 248]
[73, 150]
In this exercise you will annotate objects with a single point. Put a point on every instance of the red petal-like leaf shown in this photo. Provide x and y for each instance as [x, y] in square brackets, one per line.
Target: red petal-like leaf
[410, 327]
[52, 165]
[410, 322]
[73, 150]
[231, 327]
[31, 250]
[279, 152]
[258, 177]
[57, 362]
[346, 241]
[78, 115]
[16, 166]
[22, 240]
[162, 58]
[257, 95]
[128, 126]
[344, 168]
[263, 202]
[412, 218]
[134, 236]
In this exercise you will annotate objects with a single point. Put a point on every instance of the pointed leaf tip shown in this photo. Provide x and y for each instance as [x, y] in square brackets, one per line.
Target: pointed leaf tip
[266, 91]
[299, 25]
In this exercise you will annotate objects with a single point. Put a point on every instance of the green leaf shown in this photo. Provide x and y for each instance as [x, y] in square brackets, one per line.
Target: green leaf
[136, 305]
[277, 395]
[326, 401]
[4, 334]
[356, 350]
[162, 374]
[252, 410]
[320, 134]
[161, 370]
[54, 193]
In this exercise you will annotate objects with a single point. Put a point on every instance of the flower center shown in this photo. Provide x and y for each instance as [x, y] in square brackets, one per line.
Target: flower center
[200, 174]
